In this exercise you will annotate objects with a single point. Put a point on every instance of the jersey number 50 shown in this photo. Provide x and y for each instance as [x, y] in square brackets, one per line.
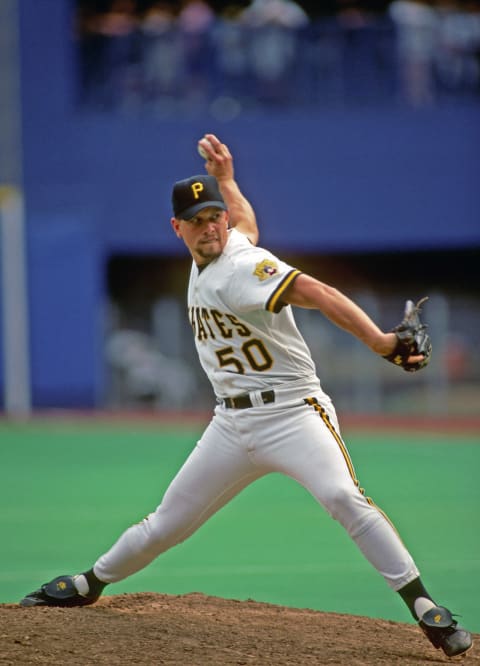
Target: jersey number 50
[253, 350]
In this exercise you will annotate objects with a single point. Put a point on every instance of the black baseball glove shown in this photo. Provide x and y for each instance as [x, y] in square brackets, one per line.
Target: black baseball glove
[412, 339]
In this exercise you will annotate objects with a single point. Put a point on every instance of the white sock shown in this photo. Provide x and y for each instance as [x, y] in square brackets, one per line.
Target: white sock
[422, 605]
[81, 584]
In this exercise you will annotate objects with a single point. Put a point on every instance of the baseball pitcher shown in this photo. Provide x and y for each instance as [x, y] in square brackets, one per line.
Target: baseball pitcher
[272, 414]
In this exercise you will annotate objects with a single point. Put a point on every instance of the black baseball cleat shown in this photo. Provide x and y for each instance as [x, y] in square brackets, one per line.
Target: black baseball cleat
[60, 591]
[444, 632]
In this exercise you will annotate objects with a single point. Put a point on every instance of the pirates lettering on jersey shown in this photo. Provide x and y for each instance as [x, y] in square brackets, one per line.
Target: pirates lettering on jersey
[212, 324]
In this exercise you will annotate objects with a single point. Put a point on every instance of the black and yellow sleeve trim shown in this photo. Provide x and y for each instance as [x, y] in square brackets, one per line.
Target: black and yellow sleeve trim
[274, 303]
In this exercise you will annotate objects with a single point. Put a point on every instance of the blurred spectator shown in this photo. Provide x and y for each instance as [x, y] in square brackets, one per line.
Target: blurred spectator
[111, 40]
[284, 13]
[274, 30]
[458, 55]
[162, 56]
[229, 39]
[416, 25]
[91, 45]
[366, 45]
[321, 56]
[119, 27]
[196, 19]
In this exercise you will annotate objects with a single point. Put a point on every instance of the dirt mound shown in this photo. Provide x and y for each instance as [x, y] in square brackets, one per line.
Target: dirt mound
[197, 630]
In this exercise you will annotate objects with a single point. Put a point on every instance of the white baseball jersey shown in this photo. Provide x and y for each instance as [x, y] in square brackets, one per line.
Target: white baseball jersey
[246, 338]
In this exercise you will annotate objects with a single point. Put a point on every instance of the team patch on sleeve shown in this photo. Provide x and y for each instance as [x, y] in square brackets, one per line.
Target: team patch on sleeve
[274, 303]
[265, 269]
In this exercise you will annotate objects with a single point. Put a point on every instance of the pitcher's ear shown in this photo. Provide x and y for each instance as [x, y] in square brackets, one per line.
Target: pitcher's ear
[176, 226]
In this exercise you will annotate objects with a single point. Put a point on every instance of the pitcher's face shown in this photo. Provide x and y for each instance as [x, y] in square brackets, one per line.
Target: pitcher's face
[205, 235]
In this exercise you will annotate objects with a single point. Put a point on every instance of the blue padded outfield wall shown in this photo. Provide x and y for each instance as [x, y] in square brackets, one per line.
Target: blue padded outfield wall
[321, 181]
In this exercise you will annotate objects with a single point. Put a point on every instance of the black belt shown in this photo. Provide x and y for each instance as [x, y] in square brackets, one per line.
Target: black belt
[243, 401]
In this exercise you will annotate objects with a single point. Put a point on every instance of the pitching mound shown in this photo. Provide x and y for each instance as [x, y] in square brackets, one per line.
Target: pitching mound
[196, 630]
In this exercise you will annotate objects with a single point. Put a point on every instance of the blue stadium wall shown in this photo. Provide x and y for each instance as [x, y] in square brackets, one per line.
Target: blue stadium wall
[95, 185]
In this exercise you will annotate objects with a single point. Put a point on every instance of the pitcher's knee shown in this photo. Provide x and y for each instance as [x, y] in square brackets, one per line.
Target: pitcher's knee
[165, 531]
[346, 504]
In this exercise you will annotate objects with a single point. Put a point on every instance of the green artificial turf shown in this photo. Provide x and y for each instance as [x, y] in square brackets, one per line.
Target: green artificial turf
[68, 490]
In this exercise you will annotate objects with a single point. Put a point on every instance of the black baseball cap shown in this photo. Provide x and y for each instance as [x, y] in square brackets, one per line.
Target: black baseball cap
[191, 195]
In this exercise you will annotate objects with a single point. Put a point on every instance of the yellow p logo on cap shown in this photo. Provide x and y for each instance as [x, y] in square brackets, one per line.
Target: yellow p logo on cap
[196, 189]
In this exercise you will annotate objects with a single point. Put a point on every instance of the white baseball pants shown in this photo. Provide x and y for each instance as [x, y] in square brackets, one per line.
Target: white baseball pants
[294, 438]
